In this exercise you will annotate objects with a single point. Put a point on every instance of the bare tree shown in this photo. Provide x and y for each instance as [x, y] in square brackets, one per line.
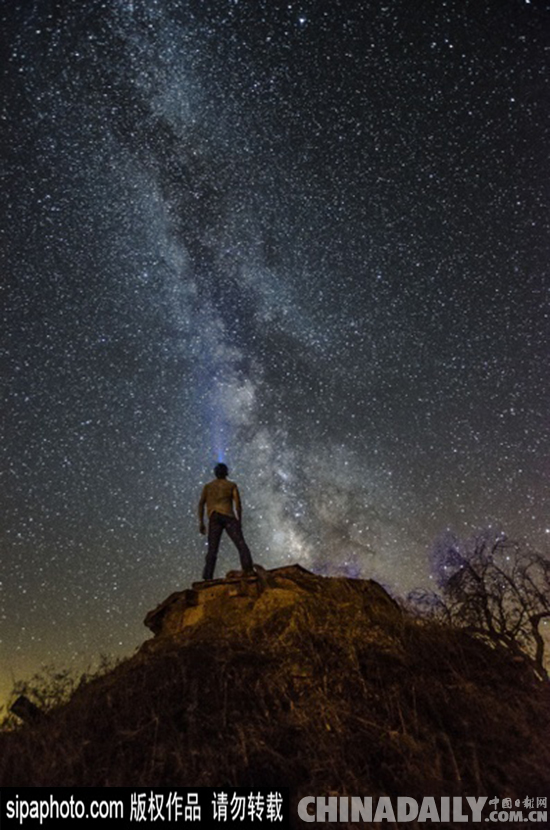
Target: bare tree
[494, 589]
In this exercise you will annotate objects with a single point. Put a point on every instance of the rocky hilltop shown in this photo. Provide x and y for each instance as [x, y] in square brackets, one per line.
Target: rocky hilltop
[243, 602]
[286, 678]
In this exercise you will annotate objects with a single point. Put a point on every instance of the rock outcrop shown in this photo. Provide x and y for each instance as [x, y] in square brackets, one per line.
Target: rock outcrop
[240, 599]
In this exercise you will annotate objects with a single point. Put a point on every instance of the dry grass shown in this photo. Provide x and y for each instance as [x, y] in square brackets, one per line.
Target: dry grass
[334, 694]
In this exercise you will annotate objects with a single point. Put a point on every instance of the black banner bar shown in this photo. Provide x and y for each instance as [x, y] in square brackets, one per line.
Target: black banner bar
[144, 808]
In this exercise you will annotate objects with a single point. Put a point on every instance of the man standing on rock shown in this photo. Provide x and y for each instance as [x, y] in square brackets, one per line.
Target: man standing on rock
[219, 496]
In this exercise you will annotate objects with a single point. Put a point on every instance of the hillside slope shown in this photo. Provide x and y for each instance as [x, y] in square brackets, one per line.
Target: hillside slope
[289, 679]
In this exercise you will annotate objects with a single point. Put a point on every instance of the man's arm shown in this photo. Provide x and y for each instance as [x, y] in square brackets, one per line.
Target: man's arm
[238, 503]
[202, 502]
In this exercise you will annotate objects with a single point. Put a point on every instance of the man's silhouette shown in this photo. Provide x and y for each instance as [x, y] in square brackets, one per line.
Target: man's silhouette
[219, 496]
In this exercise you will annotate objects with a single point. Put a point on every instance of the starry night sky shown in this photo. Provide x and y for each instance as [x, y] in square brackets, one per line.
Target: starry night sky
[307, 237]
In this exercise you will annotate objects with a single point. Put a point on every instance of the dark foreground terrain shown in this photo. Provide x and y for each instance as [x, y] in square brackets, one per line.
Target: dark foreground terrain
[324, 685]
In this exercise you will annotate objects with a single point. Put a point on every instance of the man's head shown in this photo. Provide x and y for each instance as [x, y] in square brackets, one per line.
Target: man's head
[221, 471]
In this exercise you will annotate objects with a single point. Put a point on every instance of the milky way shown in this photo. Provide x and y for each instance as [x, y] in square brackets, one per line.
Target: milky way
[307, 238]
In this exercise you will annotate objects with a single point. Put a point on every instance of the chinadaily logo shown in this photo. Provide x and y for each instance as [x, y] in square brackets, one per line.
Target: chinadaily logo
[435, 810]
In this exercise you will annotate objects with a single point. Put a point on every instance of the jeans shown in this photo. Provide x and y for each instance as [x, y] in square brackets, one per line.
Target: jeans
[217, 523]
